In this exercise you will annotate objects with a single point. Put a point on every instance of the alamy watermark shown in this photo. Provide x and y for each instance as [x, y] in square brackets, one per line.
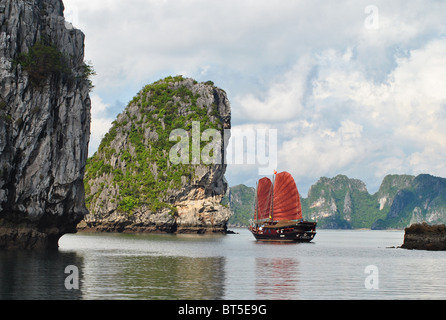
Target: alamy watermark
[372, 20]
[372, 280]
[235, 146]
[72, 280]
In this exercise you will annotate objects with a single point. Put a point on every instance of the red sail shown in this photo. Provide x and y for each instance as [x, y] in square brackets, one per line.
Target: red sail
[264, 197]
[286, 204]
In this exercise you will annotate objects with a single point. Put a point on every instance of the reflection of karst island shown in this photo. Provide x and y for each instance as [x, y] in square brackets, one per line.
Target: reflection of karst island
[133, 185]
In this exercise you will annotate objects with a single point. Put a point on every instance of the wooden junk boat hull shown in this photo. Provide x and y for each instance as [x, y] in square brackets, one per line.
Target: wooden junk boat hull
[278, 211]
[295, 232]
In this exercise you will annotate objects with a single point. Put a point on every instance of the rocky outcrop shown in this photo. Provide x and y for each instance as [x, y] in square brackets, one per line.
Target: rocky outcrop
[133, 184]
[425, 237]
[44, 124]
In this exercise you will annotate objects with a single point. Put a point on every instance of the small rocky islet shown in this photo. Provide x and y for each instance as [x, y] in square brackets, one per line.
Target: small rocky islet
[421, 236]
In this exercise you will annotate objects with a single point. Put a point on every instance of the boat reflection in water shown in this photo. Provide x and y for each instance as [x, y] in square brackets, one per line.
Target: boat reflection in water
[278, 211]
[277, 279]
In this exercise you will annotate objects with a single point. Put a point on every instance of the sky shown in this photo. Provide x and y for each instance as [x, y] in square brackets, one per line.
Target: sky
[351, 87]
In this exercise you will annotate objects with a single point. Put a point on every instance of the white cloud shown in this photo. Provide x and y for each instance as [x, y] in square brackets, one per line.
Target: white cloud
[398, 126]
[282, 102]
[322, 151]
[343, 122]
[346, 99]
[100, 123]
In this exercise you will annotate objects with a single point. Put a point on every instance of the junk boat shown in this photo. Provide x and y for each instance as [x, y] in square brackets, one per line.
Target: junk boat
[278, 211]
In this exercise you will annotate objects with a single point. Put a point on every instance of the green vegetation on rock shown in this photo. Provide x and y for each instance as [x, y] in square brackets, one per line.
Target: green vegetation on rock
[421, 199]
[134, 155]
[41, 61]
[44, 60]
[241, 201]
[341, 202]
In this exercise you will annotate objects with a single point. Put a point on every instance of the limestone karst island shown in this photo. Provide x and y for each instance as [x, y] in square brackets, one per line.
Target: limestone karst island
[131, 183]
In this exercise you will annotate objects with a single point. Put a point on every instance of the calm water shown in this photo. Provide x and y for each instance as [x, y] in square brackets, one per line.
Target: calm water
[117, 266]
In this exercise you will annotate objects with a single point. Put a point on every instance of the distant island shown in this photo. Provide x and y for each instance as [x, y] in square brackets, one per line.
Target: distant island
[345, 203]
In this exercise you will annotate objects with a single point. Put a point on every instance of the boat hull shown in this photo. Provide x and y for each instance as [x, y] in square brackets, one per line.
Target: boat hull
[301, 232]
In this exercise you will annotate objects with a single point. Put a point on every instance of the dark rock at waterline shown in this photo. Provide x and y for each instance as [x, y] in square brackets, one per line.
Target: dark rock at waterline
[425, 237]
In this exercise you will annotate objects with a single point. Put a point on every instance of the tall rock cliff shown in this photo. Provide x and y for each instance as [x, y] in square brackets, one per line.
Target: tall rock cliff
[44, 124]
[134, 182]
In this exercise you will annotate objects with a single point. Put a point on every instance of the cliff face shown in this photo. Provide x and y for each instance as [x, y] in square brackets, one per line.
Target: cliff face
[133, 185]
[422, 199]
[339, 202]
[44, 124]
[391, 185]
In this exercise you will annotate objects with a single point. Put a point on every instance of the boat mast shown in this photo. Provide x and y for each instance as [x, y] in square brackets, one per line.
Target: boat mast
[256, 205]
[271, 216]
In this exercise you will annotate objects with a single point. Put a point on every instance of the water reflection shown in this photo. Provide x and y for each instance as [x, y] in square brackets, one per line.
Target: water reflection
[41, 275]
[231, 267]
[277, 278]
[154, 277]
[37, 275]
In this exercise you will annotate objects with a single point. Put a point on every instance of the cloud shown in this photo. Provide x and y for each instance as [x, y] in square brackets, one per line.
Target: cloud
[283, 100]
[397, 126]
[344, 98]
[139, 39]
[100, 124]
[317, 152]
